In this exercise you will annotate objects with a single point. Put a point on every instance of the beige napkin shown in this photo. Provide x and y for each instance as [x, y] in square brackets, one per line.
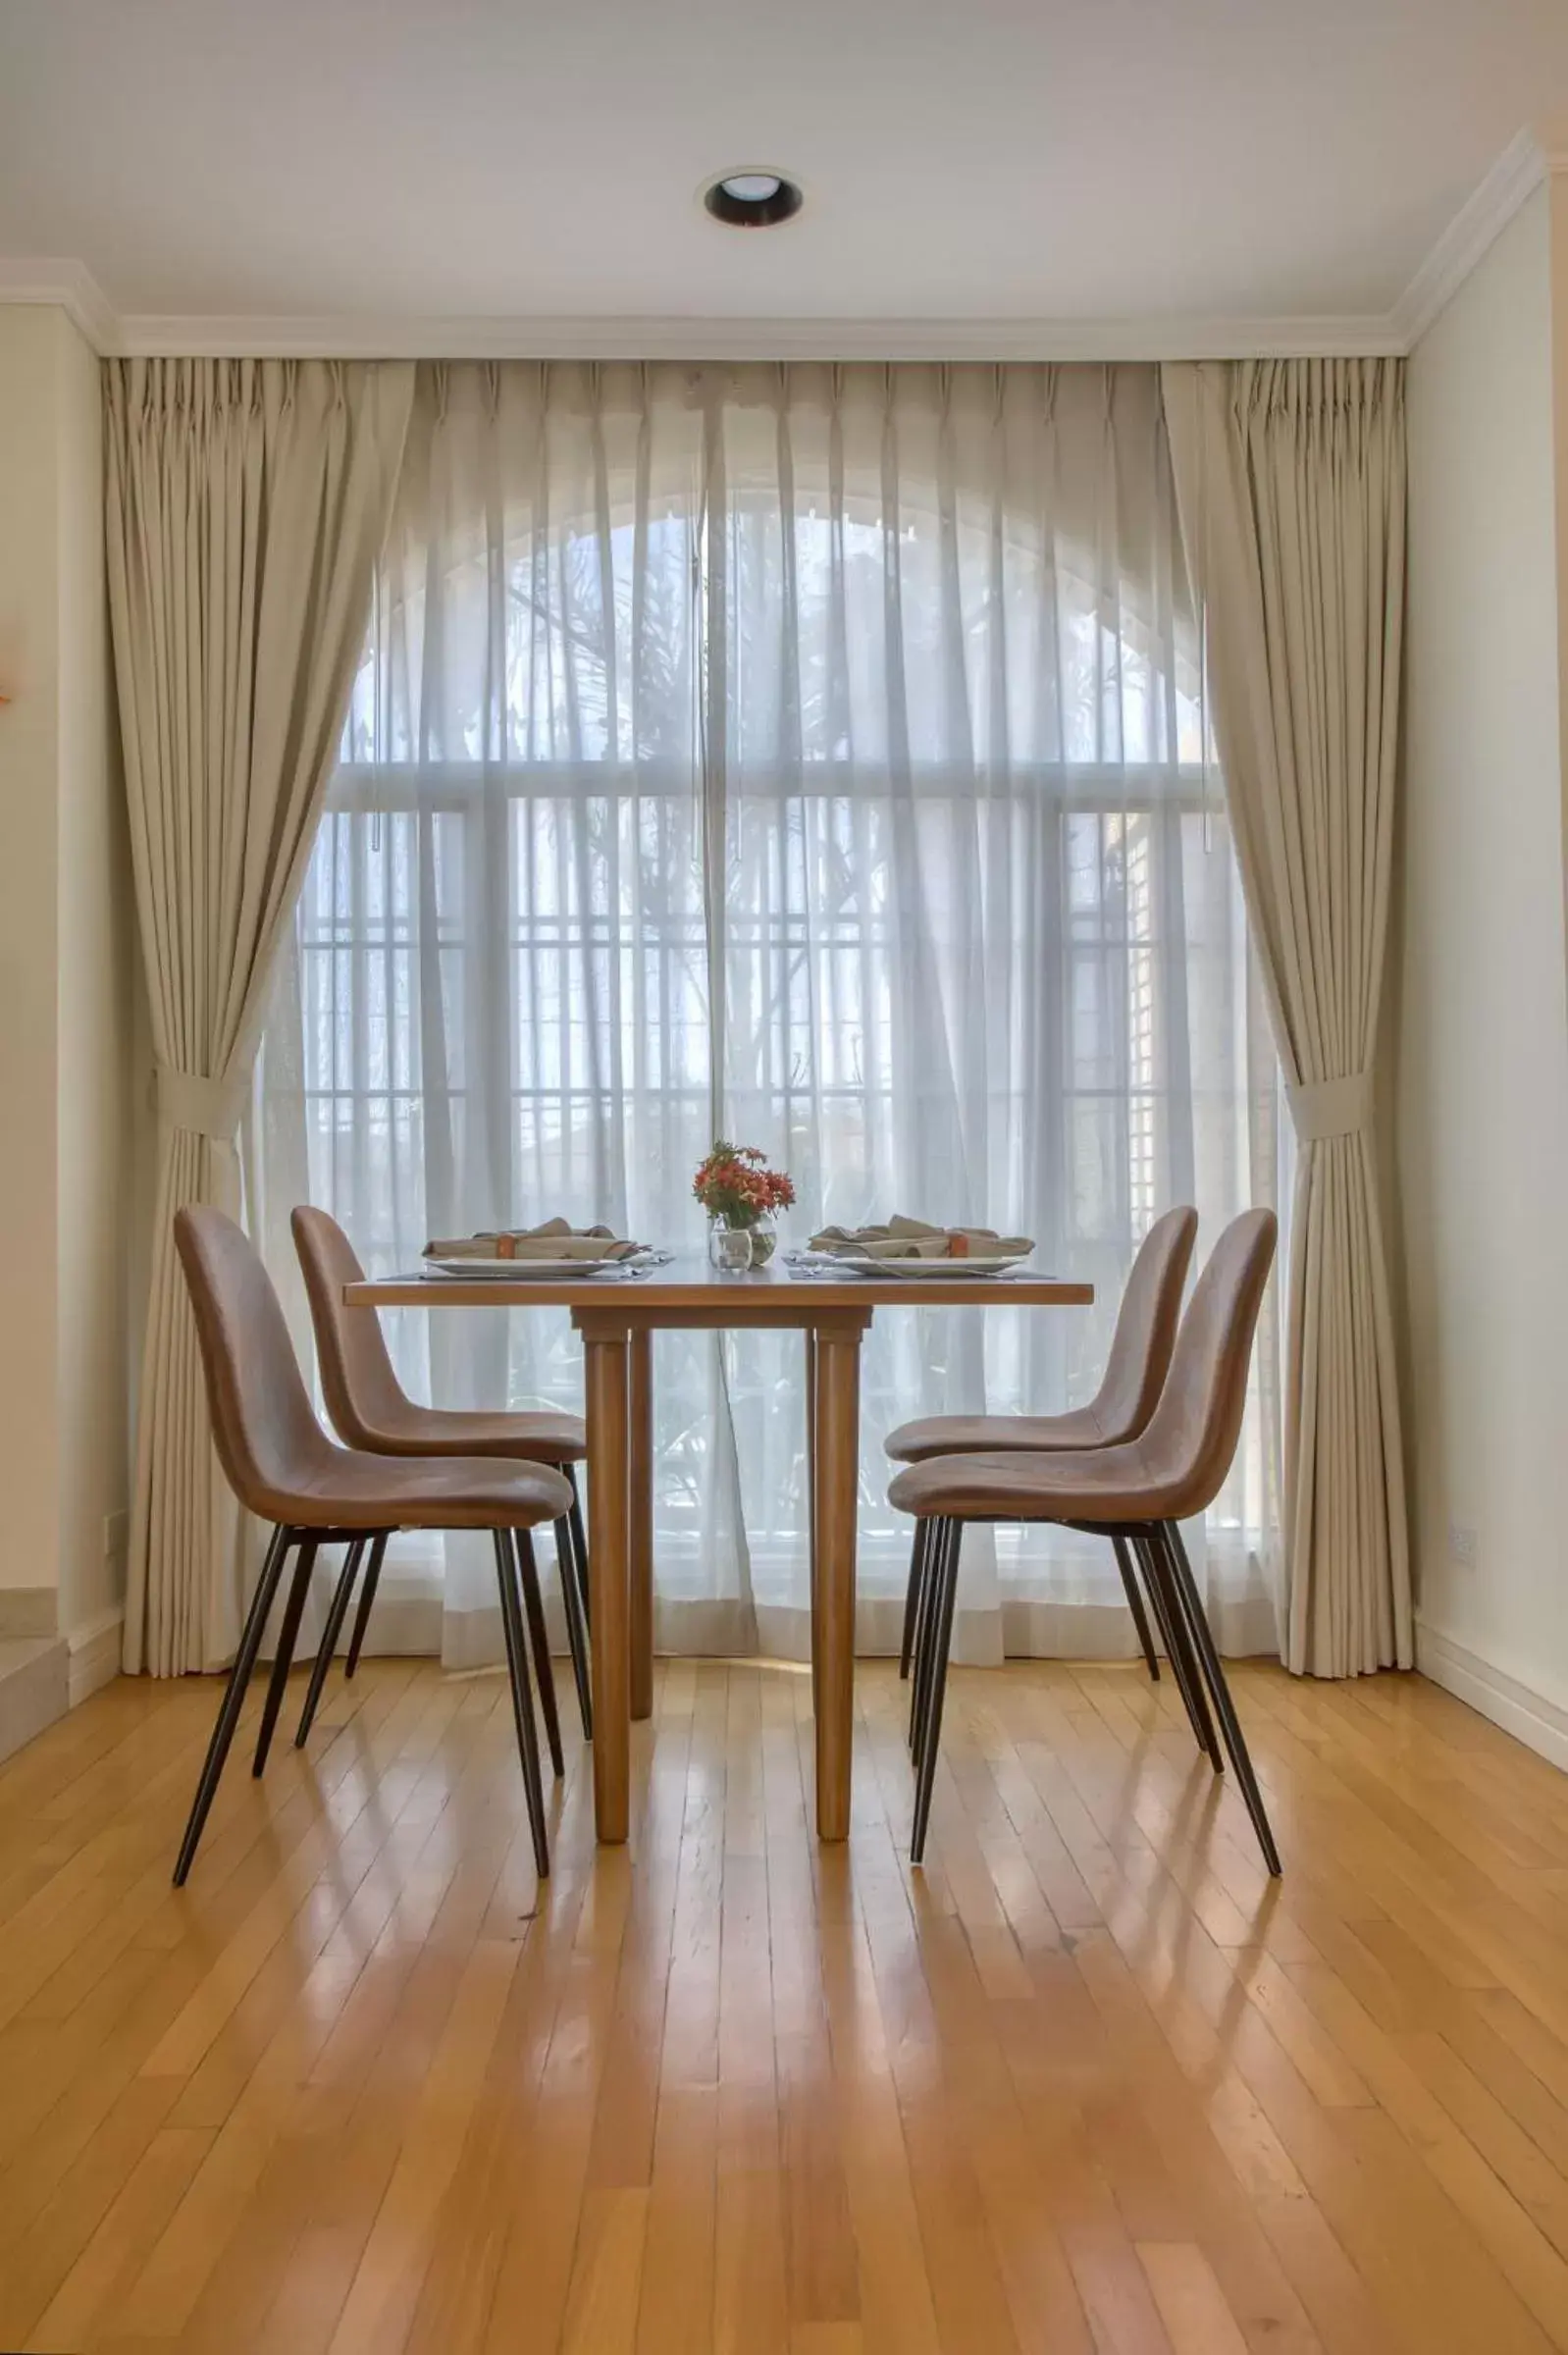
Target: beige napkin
[556, 1239]
[914, 1239]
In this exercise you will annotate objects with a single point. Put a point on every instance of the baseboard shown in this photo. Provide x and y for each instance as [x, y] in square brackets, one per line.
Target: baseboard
[95, 1653]
[1540, 1724]
[33, 1685]
[27, 1612]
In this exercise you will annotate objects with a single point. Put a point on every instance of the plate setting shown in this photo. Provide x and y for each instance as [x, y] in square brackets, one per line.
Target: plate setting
[555, 1254]
[870, 1266]
[917, 1271]
[531, 1270]
[913, 1249]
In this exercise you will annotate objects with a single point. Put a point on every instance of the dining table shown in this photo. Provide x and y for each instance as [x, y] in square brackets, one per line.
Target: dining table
[616, 1311]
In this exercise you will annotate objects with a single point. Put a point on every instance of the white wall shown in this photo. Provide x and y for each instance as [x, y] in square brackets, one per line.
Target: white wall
[30, 730]
[67, 978]
[1558, 192]
[1481, 1031]
[95, 977]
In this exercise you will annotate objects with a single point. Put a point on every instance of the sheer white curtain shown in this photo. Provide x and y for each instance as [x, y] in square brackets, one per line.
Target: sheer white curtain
[817, 755]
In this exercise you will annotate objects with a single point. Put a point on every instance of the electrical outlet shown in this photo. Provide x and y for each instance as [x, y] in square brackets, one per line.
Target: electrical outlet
[116, 1534]
[1463, 1546]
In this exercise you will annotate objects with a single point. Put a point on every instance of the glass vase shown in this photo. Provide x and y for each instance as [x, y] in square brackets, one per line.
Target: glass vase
[729, 1247]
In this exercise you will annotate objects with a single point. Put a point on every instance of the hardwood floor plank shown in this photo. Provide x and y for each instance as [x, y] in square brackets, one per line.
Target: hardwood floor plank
[1086, 2084]
[1191, 2304]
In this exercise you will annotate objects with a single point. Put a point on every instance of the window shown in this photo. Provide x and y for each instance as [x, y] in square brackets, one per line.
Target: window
[817, 754]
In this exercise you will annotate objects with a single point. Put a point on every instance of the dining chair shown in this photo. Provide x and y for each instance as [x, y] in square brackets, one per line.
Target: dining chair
[371, 1410]
[283, 1467]
[1135, 1375]
[1141, 1490]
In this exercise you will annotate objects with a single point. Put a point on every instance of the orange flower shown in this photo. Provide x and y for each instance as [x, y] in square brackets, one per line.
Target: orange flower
[735, 1185]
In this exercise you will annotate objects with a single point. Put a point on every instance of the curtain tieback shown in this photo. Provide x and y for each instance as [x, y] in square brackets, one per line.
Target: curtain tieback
[209, 1108]
[1325, 1108]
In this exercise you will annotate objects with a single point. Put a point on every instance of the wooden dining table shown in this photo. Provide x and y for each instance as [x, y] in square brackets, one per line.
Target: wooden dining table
[617, 1316]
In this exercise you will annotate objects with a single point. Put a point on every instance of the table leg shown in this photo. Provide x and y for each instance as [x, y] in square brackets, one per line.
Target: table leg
[838, 1451]
[641, 1507]
[609, 1486]
[811, 1503]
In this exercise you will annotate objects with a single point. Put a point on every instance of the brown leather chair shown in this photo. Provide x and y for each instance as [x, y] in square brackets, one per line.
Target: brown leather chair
[370, 1409]
[1140, 1491]
[283, 1467]
[1134, 1376]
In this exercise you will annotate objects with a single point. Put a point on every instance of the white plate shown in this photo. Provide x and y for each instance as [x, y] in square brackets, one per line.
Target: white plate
[526, 1271]
[913, 1271]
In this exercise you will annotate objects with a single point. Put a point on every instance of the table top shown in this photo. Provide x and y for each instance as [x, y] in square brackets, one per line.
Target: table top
[762, 1295]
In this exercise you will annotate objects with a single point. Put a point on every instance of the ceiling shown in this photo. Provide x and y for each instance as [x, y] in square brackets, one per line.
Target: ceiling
[1015, 162]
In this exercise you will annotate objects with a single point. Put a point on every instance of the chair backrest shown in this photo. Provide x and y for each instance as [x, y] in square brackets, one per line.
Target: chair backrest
[1192, 1434]
[1146, 1327]
[363, 1395]
[269, 1441]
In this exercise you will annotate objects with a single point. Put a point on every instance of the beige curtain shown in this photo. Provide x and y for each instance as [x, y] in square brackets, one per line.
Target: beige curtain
[247, 502]
[1290, 479]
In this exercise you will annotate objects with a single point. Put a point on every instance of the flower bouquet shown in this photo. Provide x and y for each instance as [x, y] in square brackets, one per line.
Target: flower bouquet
[741, 1194]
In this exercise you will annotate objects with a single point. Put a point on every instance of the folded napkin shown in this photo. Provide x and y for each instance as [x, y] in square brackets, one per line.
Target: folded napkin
[912, 1238]
[556, 1239]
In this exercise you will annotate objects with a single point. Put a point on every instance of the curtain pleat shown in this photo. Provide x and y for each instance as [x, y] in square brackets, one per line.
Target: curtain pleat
[1291, 481]
[246, 502]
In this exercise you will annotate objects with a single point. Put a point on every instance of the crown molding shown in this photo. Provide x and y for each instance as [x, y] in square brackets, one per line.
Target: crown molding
[1524, 163]
[1470, 235]
[68, 287]
[1169, 336]
[1174, 336]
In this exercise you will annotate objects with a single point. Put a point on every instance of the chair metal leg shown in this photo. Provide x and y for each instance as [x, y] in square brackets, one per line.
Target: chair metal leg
[927, 1605]
[287, 1636]
[578, 1543]
[337, 1611]
[1140, 1617]
[919, 1662]
[511, 1619]
[912, 1597]
[1177, 1644]
[543, 1667]
[576, 1625]
[233, 1699]
[1191, 1602]
[378, 1547]
[945, 1533]
[943, 1582]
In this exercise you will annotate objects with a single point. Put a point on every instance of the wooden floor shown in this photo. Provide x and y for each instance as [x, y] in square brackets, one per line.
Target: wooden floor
[1087, 2082]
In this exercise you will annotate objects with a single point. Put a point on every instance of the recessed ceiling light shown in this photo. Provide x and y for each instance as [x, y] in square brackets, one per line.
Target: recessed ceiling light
[753, 199]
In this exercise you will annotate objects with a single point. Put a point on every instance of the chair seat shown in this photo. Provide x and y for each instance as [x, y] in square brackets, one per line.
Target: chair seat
[537, 1438]
[1097, 1487]
[354, 1490]
[995, 1435]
